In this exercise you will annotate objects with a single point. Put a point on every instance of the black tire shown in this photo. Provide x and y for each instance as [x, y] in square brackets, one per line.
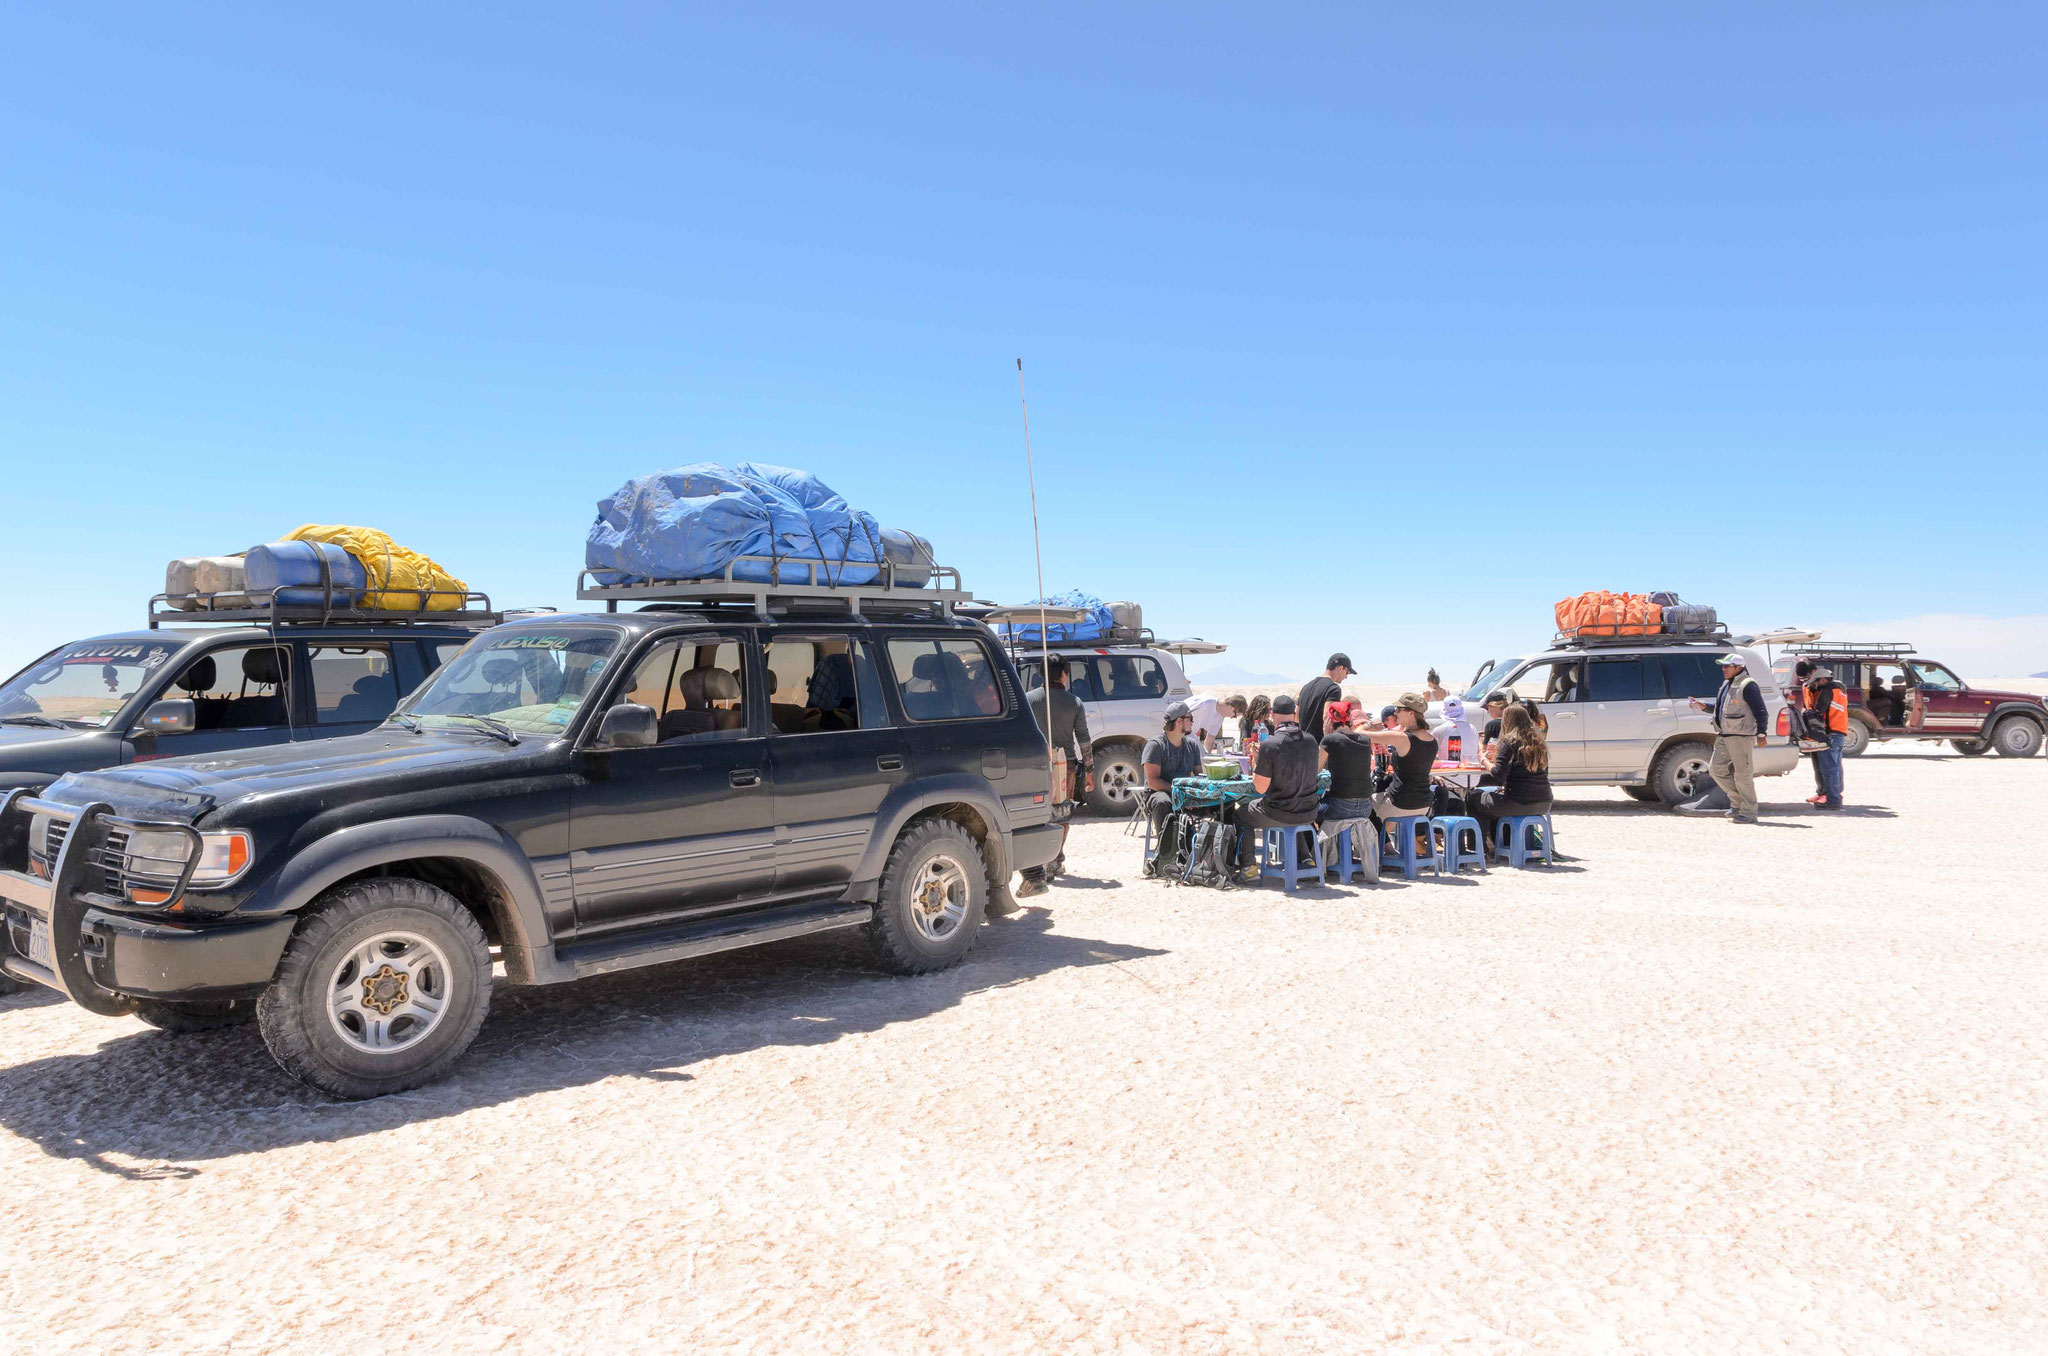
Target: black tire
[182, 1018]
[2016, 737]
[1642, 792]
[1119, 780]
[438, 946]
[1970, 748]
[1679, 773]
[1856, 740]
[933, 896]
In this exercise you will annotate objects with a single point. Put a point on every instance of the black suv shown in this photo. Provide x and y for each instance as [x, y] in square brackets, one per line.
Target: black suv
[232, 683]
[574, 794]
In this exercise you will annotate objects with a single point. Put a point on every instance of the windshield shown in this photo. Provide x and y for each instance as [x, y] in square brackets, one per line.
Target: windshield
[83, 686]
[532, 679]
[1489, 680]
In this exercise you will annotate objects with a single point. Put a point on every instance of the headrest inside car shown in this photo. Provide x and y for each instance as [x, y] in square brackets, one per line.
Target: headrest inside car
[502, 671]
[200, 677]
[261, 666]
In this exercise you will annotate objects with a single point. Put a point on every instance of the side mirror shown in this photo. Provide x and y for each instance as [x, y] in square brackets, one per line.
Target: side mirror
[178, 716]
[629, 726]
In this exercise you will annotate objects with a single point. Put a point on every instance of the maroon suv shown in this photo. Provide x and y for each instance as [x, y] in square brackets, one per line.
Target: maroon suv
[1895, 694]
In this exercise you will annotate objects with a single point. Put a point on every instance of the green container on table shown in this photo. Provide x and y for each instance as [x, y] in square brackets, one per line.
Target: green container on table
[1222, 770]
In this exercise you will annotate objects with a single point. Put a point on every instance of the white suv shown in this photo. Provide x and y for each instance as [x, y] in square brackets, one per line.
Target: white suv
[1125, 690]
[1619, 716]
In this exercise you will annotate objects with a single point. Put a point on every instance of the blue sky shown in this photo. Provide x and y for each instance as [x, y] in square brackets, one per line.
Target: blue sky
[1361, 327]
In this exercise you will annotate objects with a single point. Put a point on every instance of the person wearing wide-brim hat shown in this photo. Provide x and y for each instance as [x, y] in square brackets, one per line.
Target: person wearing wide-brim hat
[1739, 724]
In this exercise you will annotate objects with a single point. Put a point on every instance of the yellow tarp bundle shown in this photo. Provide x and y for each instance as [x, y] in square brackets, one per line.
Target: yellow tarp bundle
[401, 580]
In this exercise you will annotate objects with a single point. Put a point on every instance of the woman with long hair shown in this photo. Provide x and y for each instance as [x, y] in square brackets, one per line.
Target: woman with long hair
[1519, 781]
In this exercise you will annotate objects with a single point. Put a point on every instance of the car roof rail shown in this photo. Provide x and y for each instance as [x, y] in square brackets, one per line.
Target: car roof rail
[815, 589]
[464, 607]
[1856, 649]
[1595, 638]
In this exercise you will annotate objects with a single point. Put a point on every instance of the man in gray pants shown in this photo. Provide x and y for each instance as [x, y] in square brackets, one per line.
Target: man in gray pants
[1739, 722]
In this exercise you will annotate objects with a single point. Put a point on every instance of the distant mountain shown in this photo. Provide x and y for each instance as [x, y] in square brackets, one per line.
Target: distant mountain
[2040, 675]
[1224, 674]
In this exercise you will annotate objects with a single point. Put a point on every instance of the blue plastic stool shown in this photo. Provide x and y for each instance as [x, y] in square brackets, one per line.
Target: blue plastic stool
[1511, 839]
[1400, 846]
[1284, 842]
[1347, 868]
[1449, 833]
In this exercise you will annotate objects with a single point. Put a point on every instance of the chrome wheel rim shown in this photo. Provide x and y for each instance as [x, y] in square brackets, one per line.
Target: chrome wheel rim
[388, 993]
[1119, 782]
[938, 898]
[2017, 738]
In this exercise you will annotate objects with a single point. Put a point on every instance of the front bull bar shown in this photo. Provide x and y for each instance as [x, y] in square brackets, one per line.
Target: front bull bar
[61, 901]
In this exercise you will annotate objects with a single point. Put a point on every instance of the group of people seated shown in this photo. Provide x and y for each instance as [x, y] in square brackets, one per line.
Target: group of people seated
[1380, 771]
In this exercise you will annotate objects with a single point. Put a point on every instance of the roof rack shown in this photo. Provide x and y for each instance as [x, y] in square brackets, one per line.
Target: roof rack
[265, 609]
[759, 596]
[1593, 638]
[1855, 648]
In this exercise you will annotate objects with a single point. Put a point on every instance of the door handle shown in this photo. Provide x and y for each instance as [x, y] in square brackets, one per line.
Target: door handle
[1562, 715]
[745, 776]
[889, 763]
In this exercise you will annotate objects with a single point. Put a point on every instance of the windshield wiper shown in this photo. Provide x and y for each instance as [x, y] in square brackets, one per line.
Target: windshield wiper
[411, 723]
[491, 724]
[34, 720]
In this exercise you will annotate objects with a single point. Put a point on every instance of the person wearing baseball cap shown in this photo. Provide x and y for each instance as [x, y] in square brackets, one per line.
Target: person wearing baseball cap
[1170, 755]
[1318, 693]
[1739, 724]
[1286, 778]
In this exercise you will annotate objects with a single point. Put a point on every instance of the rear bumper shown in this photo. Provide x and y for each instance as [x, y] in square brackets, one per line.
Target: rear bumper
[1775, 760]
[1036, 847]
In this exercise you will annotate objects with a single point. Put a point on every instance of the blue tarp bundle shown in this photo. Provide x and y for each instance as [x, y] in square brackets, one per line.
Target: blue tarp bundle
[694, 521]
[1096, 626]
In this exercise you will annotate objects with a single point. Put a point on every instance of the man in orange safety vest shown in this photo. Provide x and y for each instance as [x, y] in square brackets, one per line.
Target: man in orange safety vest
[1819, 692]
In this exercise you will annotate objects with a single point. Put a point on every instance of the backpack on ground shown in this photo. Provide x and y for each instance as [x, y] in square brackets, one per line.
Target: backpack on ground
[1212, 855]
[1171, 855]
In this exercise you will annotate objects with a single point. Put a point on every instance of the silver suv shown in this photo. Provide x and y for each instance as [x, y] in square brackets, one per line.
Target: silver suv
[1619, 716]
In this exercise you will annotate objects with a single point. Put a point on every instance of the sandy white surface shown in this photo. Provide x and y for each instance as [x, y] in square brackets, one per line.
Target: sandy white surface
[1705, 1087]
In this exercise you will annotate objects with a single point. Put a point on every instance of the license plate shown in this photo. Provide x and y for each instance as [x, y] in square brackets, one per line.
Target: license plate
[39, 944]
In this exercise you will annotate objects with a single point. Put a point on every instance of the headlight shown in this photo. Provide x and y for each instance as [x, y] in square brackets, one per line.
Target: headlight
[223, 856]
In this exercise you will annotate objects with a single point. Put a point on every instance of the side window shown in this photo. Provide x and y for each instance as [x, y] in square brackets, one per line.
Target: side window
[1616, 680]
[945, 679]
[351, 683]
[813, 686]
[1081, 679]
[1690, 675]
[243, 688]
[440, 652]
[695, 687]
[1128, 677]
[1556, 681]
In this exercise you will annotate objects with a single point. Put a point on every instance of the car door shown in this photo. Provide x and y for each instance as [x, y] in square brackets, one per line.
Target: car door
[243, 696]
[1556, 686]
[1947, 706]
[687, 826]
[947, 688]
[835, 753]
[1687, 674]
[1626, 714]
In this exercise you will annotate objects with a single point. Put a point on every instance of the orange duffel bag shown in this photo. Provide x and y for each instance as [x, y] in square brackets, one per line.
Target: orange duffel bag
[1601, 613]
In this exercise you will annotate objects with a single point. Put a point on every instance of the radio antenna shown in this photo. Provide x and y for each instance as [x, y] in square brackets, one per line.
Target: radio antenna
[1038, 556]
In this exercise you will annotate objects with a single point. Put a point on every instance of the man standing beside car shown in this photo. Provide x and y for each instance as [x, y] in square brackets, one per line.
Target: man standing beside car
[1060, 715]
[1820, 695]
[1739, 721]
[1318, 693]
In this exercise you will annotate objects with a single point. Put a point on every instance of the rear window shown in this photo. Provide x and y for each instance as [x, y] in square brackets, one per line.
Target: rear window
[945, 679]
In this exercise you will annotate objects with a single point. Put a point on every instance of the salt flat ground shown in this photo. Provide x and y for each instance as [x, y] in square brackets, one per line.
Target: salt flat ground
[1703, 1087]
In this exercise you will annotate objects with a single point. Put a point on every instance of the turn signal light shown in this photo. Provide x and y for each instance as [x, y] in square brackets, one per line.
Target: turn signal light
[1785, 721]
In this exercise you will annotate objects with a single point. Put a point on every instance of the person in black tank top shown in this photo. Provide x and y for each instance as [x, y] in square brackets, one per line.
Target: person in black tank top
[1414, 749]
